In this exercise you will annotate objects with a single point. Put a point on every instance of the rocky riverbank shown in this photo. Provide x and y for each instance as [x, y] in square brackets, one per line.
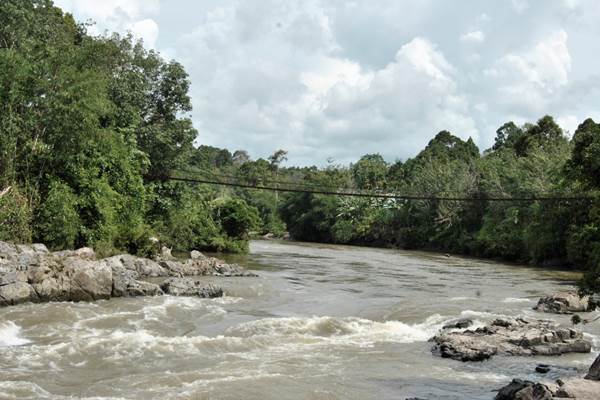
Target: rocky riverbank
[514, 337]
[527, 337]
[31, 273]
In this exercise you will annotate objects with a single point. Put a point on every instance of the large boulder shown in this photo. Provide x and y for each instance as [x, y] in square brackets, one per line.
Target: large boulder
[196, 255]
[90, 280]
[126, 281]
[594, 372]
[524, 390]
[16, 293]
[563, 303]
[510, 337]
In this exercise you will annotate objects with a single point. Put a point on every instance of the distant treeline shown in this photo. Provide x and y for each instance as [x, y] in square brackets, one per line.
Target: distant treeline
[529, 161]
[91, 127]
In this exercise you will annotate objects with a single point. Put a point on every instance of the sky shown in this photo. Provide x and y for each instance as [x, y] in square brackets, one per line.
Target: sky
[337, 79]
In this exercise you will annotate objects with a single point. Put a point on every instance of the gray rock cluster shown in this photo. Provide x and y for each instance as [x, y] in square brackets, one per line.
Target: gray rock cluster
[563, 303]
[518, 337]
[574, 388]
[31, 273]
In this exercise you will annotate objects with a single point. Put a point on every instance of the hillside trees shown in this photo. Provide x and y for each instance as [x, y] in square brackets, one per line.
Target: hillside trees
[90, 127]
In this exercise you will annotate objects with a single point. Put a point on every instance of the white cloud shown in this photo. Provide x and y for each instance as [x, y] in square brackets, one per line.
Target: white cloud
[569, 123]
[520, 6]
[325, 78]
[146, 30]
[473, 37]
[106, 9]
[529, 81]
[118, 15]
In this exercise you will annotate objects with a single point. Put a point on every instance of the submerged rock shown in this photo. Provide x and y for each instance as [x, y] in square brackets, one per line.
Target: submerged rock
[542, 369]
[563, 303]
[515, 337]
[31, 273]
[190, 287]
[462, 323]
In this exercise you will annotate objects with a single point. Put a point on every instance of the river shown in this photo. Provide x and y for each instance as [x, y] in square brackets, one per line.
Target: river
[321, 322]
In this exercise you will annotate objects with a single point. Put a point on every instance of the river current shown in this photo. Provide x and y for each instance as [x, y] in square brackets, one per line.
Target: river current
[321, 322]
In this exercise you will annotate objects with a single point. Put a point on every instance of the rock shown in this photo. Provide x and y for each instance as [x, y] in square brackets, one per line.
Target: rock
[464, 349]
[8, 251]
[462, 323]
[16, 293]
[502, 322]
[165, 254]
[142, 288]
[594, 372]
[144, 267]
[542, 369]
[190, 287]
[126, 284]
[203, 267]
[563, 303]
[90, 280]
[32, 273]
[515, 338]
[196, 255]
[84, 253]
[580, 389]
[524, 390]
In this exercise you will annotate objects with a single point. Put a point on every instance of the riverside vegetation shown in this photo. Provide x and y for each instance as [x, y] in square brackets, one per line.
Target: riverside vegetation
[90, 128]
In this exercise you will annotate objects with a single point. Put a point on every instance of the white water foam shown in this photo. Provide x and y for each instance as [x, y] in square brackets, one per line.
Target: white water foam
[482, 377]
[227, 300]
[516, 300]
[462, 298]
[10, 335]
[341, 331]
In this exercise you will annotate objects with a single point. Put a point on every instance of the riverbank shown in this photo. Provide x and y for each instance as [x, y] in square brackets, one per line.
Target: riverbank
[31, 273]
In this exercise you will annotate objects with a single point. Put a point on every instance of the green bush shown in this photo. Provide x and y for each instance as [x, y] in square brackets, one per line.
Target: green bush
[57, 221]
[236, 217]
[15, 217]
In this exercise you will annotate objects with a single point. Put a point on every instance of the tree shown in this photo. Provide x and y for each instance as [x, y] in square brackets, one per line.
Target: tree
[545, 132]
[240, 157]
[236, 217]
[584, 165]
[277, 158]
[370, 172]
[506, 136]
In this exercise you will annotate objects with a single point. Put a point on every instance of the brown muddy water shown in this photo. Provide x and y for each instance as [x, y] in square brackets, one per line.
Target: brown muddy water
[321, 322]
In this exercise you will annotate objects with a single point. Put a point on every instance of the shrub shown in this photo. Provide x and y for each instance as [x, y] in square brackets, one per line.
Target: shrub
[15, 216]
[57, 220]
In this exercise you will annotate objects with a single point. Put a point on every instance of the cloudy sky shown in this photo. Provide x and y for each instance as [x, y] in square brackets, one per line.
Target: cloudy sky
[339, 78]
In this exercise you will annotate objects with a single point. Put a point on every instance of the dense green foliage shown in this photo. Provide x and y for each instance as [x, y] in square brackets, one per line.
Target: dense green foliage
[89, 129]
